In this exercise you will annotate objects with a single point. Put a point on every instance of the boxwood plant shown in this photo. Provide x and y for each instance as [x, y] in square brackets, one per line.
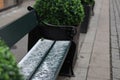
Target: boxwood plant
[60, 12]
[8, 65]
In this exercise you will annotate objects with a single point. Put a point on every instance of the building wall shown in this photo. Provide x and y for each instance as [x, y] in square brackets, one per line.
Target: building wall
[7, 3]
[1, 4]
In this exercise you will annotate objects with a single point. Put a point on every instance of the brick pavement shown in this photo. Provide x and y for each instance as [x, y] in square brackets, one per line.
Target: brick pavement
[115, 38]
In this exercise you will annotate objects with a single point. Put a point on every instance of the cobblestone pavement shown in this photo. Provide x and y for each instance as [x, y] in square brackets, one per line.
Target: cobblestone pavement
[115, 38]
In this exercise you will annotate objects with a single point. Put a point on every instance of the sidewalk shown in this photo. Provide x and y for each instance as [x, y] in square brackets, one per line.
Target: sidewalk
[93, 61]
[115, 38]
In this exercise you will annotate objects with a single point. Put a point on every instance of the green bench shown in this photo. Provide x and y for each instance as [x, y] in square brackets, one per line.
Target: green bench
[47, 58]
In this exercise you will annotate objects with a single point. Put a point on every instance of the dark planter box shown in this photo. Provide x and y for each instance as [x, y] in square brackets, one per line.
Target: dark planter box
[92, 12]
[68, 66]
[59, 33]
[85, 23]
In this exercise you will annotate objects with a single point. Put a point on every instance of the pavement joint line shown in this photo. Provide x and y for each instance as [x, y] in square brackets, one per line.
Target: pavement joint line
[93, 44]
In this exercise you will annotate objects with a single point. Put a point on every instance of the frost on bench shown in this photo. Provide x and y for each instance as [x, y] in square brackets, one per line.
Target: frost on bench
[34, 57]
[49, 69]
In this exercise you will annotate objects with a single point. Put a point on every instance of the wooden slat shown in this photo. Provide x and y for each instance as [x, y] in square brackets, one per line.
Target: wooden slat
[51, 66]
[34, 57]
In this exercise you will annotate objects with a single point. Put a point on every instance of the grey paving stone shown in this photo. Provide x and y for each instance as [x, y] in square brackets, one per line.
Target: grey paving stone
[94, 78]
[116, 73]
[113, 31]
[119, 43]
[115, 54]
[101, 47]
[114, 45]
[116, 64]
[115, 78]
[90, 37]
[115, 50]
[99, 72]
[114, 38]
[118, 32]
[119, 37]
[99, 60]
[118, 3]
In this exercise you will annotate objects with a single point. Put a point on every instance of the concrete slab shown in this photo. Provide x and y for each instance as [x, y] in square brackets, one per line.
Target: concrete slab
[99, 72]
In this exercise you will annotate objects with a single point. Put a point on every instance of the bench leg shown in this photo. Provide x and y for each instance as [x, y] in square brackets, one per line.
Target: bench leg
[72, 72]
[67, 71]
[68, 65]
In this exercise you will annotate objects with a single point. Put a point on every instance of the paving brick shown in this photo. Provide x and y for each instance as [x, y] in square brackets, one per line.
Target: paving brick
[114, 38]
[113, 28]
[113, 32]
[119, 43]
[116, 73]
[115, 54]
[114, 45]
[116, 64]
[116, 78]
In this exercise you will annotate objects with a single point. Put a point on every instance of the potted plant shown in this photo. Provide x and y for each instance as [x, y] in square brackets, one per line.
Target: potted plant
[60, 13]
[8, 65]
[88, 10]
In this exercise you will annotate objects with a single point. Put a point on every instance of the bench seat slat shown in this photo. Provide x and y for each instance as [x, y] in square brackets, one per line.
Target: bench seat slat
[34, 57]
[50, 68]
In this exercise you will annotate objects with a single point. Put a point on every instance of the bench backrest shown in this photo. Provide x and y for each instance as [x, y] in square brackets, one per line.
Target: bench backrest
[14, 31]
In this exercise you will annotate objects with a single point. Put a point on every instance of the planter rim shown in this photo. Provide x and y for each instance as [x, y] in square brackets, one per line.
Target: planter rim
[44, 23]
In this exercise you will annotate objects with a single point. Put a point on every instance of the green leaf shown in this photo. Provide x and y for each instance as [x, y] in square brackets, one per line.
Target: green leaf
[8, 64]
[60, 12]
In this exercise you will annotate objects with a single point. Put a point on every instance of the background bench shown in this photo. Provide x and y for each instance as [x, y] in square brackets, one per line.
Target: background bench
[45, 59]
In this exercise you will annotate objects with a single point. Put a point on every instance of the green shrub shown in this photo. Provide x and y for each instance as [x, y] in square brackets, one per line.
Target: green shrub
[88, 2]
[8, 65]
[60, 12]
